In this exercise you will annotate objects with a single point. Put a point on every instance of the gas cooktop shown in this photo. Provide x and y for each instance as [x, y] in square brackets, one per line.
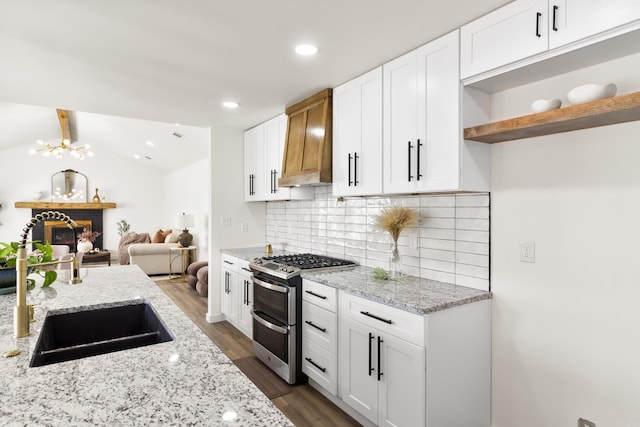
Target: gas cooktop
[287, 266]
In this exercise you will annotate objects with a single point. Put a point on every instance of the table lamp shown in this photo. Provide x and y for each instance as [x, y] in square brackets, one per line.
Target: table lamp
[184, 221]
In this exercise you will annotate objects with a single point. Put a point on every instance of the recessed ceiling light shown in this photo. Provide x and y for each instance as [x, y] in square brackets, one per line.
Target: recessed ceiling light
[306, 49]
[136, 156]
[150, 143]
[230, 104]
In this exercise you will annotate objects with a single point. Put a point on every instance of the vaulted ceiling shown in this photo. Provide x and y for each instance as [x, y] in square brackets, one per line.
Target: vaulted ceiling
[163, 62]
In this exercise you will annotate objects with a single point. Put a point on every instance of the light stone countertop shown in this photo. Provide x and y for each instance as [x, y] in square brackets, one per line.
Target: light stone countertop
[419, 296]
[188, 381]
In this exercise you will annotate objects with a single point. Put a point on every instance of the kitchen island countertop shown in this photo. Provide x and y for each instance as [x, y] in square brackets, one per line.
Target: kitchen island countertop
[188, 381]
[409, 293]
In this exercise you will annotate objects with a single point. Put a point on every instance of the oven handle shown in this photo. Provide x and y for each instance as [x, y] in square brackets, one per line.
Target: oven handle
[276, 328]
[271, 286]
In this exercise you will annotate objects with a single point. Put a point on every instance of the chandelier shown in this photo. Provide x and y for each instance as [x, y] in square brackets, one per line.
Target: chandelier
[48, 149]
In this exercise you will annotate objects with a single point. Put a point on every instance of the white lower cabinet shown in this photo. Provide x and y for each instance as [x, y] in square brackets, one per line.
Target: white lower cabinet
[237, 293]
[320, 335]
[381, 375]
[245, 297]
[229, 282]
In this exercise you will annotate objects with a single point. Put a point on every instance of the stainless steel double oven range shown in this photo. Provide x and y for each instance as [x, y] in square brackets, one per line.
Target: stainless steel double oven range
[277, 309]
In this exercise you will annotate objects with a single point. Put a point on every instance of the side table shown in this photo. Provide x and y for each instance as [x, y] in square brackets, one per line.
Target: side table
[186, 254]
[100, 256]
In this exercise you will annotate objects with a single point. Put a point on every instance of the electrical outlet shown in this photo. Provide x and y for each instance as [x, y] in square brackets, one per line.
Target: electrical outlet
[527, 251]
[243, 227]
[225, 221]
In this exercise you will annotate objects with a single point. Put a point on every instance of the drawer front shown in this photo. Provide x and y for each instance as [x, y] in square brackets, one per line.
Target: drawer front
[320, 326]
[321, 295]
[320, 365]
[399, 323]
[230, 263]
[243, 266]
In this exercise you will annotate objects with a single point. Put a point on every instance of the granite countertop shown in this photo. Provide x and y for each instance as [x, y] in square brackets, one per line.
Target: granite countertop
[419, 296]
[188, 381]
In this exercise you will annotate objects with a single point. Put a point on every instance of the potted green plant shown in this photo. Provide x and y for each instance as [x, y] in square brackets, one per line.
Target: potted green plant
[8, 256]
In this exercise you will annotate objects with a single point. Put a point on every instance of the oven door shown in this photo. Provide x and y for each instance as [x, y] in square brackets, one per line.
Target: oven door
[274, 298]
[271, 334]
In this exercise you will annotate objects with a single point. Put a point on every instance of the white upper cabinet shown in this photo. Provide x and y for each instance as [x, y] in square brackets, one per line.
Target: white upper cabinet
[357, 136]
[527, 27]
[421, 129]
[254, 185]
[572, 20]
[263, 149]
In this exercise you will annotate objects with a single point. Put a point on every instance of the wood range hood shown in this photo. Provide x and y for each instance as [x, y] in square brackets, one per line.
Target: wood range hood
[307, 152]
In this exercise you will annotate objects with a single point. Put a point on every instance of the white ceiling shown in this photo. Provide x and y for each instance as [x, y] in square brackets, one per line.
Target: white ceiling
[175, 61]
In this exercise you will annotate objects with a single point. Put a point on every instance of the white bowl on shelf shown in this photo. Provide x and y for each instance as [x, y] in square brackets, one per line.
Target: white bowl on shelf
[542, 105]
[591, 92]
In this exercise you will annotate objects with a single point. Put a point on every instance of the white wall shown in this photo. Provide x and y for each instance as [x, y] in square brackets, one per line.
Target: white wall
[187, 190]
[566, 329]
[227, 200]
[138, 191]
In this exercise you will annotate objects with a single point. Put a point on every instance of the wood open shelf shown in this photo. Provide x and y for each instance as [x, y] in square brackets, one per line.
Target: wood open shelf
[56, 205]
[609, 111]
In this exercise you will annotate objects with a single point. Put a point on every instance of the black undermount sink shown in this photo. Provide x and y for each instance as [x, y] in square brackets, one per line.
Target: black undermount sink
[92, 330]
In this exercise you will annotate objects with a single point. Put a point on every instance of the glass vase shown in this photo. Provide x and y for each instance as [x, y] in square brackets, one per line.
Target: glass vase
[394, 261]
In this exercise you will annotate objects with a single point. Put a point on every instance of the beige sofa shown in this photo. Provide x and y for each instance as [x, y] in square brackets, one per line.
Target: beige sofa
[152, 258]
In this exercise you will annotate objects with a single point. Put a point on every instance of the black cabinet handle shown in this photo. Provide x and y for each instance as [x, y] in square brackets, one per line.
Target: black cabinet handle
[226, 282]
[538, 15]
[355, 169]
[316, 326]
[409, 147]
[316, 295]
[246, 292]
[228, 262]
[370, 338]
[366, 313]
[379, 371]
[308, 359]
[419, 174]
[349, 170]
[555, 13]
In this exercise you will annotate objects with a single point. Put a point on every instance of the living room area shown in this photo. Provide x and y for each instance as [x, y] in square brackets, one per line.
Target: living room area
[135, 191]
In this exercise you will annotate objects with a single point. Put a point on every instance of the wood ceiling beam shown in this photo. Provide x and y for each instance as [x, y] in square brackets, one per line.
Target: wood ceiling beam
[63, 117]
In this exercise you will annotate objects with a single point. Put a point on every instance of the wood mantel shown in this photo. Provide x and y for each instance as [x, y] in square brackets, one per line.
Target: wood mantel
[56, 205]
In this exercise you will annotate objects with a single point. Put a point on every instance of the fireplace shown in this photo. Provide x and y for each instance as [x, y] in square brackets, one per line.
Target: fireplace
[91, 219]
[58, 233]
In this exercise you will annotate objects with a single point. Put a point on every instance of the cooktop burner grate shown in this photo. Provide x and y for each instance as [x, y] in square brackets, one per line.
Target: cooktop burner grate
[310, 261]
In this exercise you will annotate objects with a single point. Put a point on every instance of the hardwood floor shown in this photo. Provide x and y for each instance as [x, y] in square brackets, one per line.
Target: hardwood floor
[304, 406]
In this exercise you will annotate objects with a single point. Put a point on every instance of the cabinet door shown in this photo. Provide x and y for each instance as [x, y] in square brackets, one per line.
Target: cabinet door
[400, 97]
[571, 20]
[275, 133]
[245, 301]
[357, 136]
[508, 34]
[254, 182]
[358, 381]
[402, 382]
[437, 153]
[346, 121]
[229, 301]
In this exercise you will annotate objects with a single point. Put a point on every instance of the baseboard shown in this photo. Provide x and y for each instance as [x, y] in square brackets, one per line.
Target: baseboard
[215, 318]
[340, 404]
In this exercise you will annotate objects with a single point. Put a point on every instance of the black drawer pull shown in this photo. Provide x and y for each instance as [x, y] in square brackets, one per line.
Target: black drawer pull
[555, 13]
[315, 326]
[316, 295]
[366, 313]
[228, 262]
[538, 15]
[308, 359]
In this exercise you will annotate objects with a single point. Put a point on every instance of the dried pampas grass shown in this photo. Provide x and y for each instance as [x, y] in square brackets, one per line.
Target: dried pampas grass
[395, 219]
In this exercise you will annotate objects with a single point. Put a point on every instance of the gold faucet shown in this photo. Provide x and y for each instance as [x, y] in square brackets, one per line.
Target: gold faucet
[21, 310]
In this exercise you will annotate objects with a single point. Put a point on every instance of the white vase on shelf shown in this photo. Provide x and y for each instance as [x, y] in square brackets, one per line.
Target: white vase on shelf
[84, 245]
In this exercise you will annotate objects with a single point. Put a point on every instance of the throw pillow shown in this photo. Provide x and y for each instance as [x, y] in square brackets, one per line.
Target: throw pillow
[172, 238]
[160, 236]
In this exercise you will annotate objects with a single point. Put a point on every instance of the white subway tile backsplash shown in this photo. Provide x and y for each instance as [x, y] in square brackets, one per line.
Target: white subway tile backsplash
[452, 236]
